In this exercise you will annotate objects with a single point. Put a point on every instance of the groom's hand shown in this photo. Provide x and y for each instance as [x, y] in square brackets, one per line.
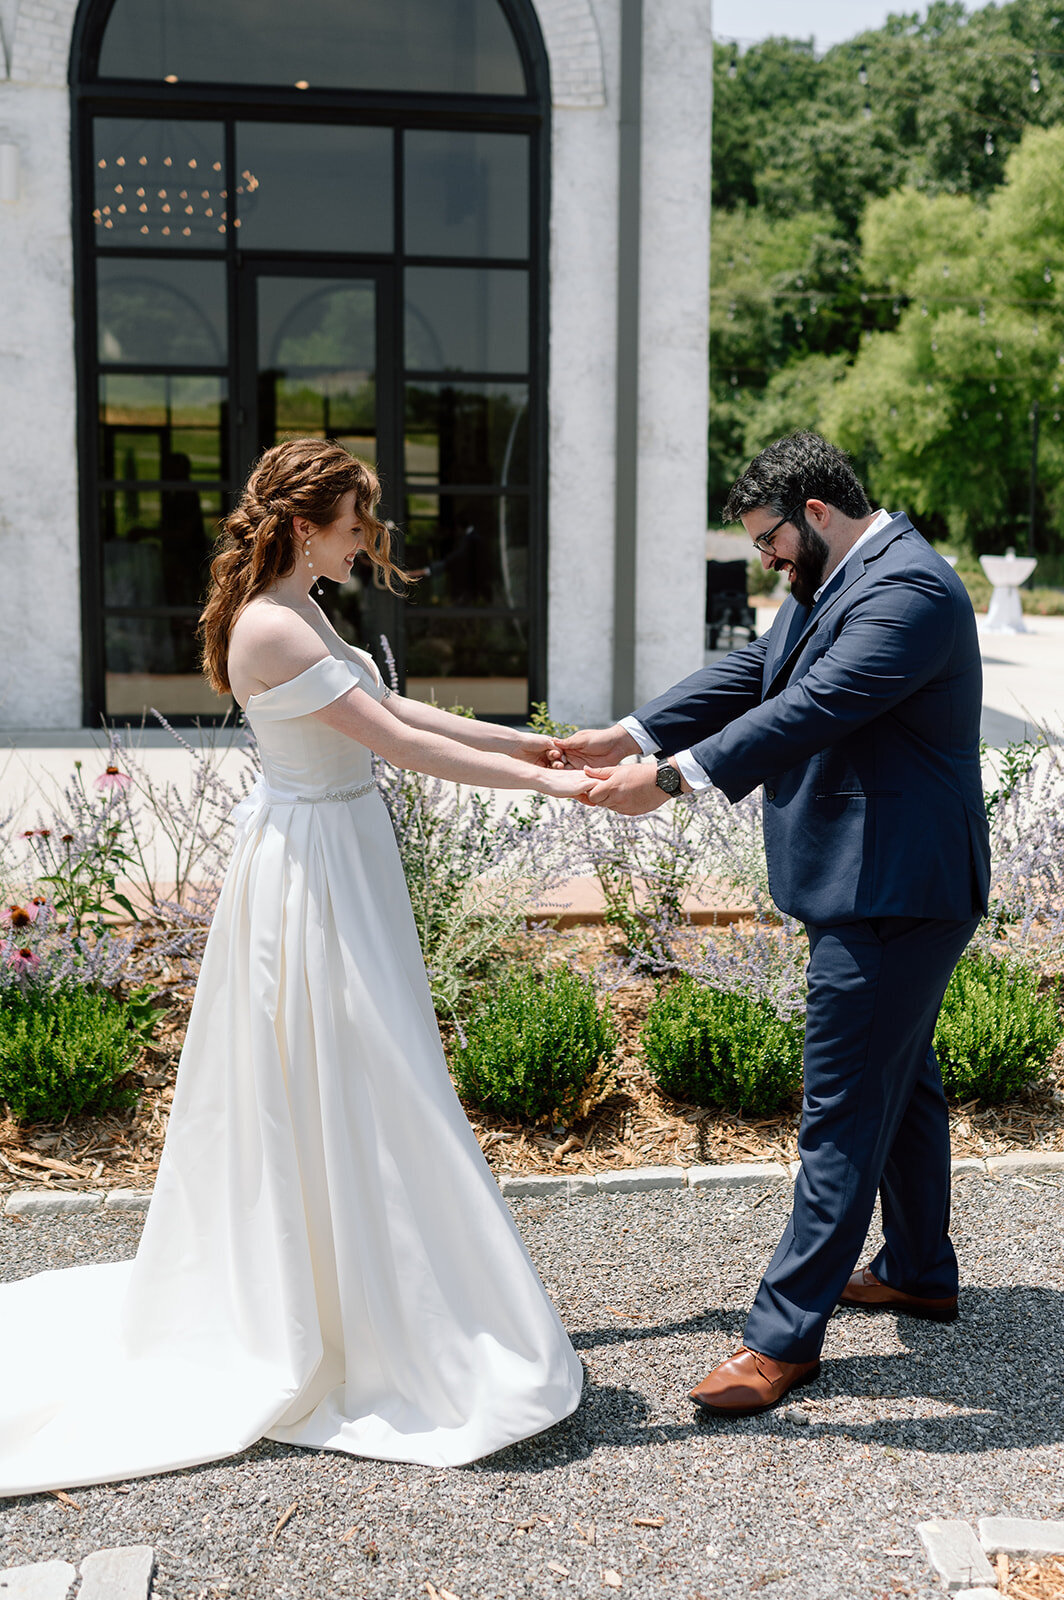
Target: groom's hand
[631, 790]
[600, 747]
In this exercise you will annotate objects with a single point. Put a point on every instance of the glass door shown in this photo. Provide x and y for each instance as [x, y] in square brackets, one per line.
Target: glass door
[311, 342]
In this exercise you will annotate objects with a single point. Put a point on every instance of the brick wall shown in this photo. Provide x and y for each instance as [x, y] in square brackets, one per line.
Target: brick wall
[40, 47]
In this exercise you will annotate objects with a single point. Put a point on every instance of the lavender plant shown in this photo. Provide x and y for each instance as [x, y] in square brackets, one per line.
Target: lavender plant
[189, 823]
[645, 867]
[471, 868]
[1027, 852]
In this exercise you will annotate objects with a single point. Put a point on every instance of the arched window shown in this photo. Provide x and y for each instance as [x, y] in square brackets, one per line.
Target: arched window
[323, 218]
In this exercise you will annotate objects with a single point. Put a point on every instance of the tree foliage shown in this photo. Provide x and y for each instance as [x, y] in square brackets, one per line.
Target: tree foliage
[887, 252]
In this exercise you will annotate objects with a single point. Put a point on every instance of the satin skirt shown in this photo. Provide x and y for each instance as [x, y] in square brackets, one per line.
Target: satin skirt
[327, 1260]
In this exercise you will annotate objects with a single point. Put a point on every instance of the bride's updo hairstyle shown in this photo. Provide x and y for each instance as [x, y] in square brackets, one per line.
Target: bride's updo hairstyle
[258, 544]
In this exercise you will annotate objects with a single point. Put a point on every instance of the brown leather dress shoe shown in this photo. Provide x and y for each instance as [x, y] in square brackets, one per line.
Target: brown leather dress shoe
[865, 1290]
[749, 1382]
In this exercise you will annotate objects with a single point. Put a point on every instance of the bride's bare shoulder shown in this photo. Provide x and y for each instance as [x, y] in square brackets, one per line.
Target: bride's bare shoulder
[270, 643]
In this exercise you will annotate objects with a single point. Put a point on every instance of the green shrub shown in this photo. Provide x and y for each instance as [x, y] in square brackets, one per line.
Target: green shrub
[761, 580]
[994, 1034]
[542, 722]
[537, 1047]
[722, 1049]
[67, 1051]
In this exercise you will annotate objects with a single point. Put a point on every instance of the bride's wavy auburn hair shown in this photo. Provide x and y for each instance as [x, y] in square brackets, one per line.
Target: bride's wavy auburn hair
[258, 544]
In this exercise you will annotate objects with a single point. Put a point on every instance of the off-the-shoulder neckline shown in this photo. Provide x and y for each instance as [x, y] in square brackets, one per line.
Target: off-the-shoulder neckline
[344, 661]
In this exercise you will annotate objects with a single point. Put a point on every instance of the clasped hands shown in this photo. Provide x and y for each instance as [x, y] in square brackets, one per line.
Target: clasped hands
[631, 790]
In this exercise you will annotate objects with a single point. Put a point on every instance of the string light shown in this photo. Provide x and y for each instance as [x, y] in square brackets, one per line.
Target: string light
[1036, 82]
[988, 143]
[198, 211]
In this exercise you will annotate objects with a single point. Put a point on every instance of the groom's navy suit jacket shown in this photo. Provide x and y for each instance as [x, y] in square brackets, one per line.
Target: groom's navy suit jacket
[860, 715]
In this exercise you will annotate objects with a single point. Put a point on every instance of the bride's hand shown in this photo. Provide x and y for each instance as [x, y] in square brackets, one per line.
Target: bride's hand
[565, 784]
[539, 748]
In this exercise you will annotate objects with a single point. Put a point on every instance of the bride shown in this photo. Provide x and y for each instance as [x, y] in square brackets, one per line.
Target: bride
[327, 1260]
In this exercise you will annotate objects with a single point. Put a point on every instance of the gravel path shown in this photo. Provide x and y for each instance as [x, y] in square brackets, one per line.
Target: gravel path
[909, 1421]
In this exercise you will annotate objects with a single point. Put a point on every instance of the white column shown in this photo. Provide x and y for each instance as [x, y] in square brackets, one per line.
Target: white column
[674, 343]
[583, 316]
[40, 631]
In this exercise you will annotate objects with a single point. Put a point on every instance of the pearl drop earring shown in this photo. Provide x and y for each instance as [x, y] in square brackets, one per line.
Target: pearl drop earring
[313, 579]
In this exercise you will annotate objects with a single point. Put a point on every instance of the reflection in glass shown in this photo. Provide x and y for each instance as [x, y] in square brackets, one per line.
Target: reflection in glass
[158, 543]
[477, 662]
[154, 662]
[144, 419]
[317, 361]
[159, 183]
[447, 46]
[467, 550]
[466, 319]
[466, 193]
[473, 433]
[161, 313]
[314, 188]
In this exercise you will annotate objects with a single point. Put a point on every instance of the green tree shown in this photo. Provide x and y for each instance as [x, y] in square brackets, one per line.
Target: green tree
[939, 411]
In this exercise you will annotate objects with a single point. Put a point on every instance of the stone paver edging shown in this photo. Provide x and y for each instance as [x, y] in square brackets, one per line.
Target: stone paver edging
[122, 1573]
[960, 1558]
[1020, 1165]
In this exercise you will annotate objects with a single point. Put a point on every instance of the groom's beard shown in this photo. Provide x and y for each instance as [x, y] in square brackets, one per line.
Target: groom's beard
[808, 564]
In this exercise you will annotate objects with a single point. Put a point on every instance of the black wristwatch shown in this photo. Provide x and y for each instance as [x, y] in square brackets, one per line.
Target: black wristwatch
[668, 778]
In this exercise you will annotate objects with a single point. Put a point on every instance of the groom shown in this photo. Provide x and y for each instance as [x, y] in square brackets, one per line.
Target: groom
[859, 715]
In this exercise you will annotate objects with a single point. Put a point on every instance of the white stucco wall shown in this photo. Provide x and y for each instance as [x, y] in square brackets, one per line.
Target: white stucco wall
[673, 360]
[674, 344]
[583, 367]
[40, 641]
[40, 666]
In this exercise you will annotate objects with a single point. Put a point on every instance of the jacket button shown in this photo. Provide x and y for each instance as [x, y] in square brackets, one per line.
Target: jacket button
[770, 794]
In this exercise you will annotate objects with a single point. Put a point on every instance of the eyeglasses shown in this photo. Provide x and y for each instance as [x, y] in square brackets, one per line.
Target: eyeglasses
[764, 541]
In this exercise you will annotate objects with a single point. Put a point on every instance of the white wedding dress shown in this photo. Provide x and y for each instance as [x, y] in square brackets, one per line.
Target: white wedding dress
[327, 1260]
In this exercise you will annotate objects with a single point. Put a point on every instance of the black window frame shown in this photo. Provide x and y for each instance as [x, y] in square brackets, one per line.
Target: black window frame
[93, 97]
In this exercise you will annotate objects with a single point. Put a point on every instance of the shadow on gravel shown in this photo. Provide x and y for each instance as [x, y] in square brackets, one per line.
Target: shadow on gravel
[608, 1417]
[1002, 1362]
[628, 1328]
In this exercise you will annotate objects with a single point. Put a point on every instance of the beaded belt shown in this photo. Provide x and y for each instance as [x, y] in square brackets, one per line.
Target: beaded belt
[262, 795]
[333, 794]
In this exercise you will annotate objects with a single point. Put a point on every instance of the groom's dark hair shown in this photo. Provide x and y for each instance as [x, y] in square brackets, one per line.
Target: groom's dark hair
[793, 470]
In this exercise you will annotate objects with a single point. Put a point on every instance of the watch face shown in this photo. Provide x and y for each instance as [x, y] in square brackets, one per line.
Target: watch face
[668, 778]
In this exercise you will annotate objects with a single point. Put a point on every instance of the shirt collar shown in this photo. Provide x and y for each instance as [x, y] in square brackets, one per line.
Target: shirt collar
[881, 520]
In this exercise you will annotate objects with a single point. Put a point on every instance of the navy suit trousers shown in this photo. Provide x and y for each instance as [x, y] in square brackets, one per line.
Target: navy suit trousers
[873, 1119]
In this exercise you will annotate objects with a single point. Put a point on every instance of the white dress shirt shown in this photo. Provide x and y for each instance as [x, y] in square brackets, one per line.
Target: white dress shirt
[688, 767]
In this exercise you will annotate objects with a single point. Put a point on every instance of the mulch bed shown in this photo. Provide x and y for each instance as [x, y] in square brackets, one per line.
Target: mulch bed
[1026, 1580]
[635, 1126]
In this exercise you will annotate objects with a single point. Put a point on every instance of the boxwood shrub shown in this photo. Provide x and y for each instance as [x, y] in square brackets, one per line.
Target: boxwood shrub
[537, 1047]
[995, 1033]
[722, 1049]
[66, 1051]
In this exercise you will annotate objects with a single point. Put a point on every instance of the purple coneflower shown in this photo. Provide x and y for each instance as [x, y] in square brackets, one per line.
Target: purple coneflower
[21, 916]
[113, 778]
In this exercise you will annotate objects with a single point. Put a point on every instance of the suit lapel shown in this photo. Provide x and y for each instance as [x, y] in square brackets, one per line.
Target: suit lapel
[784, 635]
[795, 639]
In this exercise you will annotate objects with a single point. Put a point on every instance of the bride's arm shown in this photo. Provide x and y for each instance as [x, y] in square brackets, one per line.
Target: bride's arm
[424, 749]
[468, 731]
